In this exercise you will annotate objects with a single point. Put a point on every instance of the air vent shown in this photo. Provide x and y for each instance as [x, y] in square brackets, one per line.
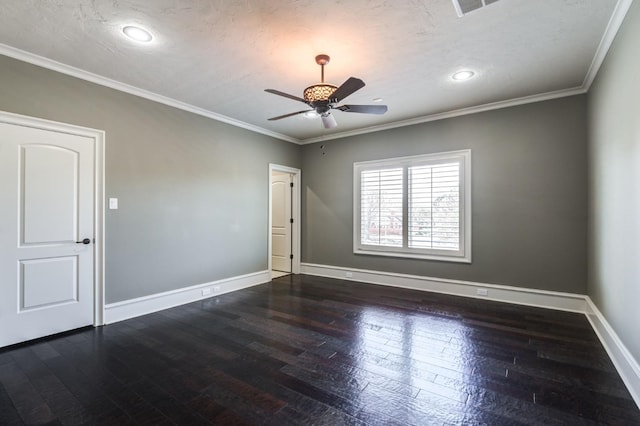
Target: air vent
[465, 6]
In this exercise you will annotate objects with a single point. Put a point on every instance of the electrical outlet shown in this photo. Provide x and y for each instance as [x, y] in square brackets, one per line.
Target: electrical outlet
[349, 274]
[206, 291]
[482, 292]
[216, 288]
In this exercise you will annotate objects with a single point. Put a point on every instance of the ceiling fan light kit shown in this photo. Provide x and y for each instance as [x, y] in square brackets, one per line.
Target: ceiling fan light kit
[319, 92]
[323, 97]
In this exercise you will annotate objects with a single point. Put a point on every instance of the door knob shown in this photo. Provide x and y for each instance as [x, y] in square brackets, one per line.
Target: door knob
[85, 241]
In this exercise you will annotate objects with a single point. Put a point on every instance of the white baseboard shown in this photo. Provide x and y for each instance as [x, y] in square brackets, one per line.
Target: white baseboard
[132, 308]
[625, 363]
[501, 293]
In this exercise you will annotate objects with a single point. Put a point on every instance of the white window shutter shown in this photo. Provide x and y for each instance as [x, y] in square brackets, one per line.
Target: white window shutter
[381, 194]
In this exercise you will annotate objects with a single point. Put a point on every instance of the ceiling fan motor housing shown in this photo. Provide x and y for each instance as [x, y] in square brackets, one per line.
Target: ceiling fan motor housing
[321, 107]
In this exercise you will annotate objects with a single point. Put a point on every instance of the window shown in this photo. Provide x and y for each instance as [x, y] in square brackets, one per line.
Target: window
[417, 207]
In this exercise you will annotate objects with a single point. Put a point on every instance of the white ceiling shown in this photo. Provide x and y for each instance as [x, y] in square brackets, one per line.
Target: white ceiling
[216, 57]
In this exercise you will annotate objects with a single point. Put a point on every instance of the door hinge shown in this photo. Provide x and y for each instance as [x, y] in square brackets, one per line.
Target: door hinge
[291, 220]
[291, 184]
[291, 256]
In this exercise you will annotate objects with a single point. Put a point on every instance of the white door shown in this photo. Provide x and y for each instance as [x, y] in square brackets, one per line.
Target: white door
[281, 221]
[47, 198]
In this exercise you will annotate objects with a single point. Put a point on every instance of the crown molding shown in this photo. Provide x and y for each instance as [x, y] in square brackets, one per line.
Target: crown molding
[50, 64]
[617, 18]
[619, 13]
[454, 113]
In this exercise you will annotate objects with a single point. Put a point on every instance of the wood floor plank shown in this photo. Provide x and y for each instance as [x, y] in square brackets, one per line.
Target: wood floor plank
[306, 350]
[60, 400]
[87, 391]
[176, 411]
[25, 398]
[8, 413]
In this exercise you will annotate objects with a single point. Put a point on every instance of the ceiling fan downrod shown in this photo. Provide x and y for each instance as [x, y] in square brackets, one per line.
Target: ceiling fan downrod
[322, 60]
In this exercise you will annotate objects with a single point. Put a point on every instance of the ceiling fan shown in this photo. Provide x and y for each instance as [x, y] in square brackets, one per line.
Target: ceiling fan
[323, 97]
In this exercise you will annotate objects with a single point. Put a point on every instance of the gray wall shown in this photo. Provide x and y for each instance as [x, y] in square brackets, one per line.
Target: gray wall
[614, 181]
[529, 195]
[193, 192]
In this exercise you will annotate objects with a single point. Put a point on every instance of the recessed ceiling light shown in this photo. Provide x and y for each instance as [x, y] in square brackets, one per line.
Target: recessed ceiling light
[377, 99]
[463, 75]
[137, 33]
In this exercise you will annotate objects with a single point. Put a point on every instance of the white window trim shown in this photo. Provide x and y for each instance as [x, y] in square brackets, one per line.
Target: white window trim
[463, 255]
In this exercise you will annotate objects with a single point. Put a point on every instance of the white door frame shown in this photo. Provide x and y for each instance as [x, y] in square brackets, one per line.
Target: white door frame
[295, 206]
[98, 137]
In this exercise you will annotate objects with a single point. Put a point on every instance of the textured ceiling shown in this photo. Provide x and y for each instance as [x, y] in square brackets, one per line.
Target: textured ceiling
[218, 56]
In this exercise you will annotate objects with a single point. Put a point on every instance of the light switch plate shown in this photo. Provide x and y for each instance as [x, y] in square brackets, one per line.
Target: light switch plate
[113, 203]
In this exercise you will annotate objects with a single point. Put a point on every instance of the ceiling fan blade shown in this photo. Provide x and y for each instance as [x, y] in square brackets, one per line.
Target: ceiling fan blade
[286, 95]
[328, 121]
[366, 109]
[347, 88]
[289, 115]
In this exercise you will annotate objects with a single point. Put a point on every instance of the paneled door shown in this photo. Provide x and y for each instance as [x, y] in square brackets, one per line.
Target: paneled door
[46, 232]
[281, 221]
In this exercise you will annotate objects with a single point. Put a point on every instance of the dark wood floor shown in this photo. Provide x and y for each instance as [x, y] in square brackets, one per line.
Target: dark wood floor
[313, 351]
